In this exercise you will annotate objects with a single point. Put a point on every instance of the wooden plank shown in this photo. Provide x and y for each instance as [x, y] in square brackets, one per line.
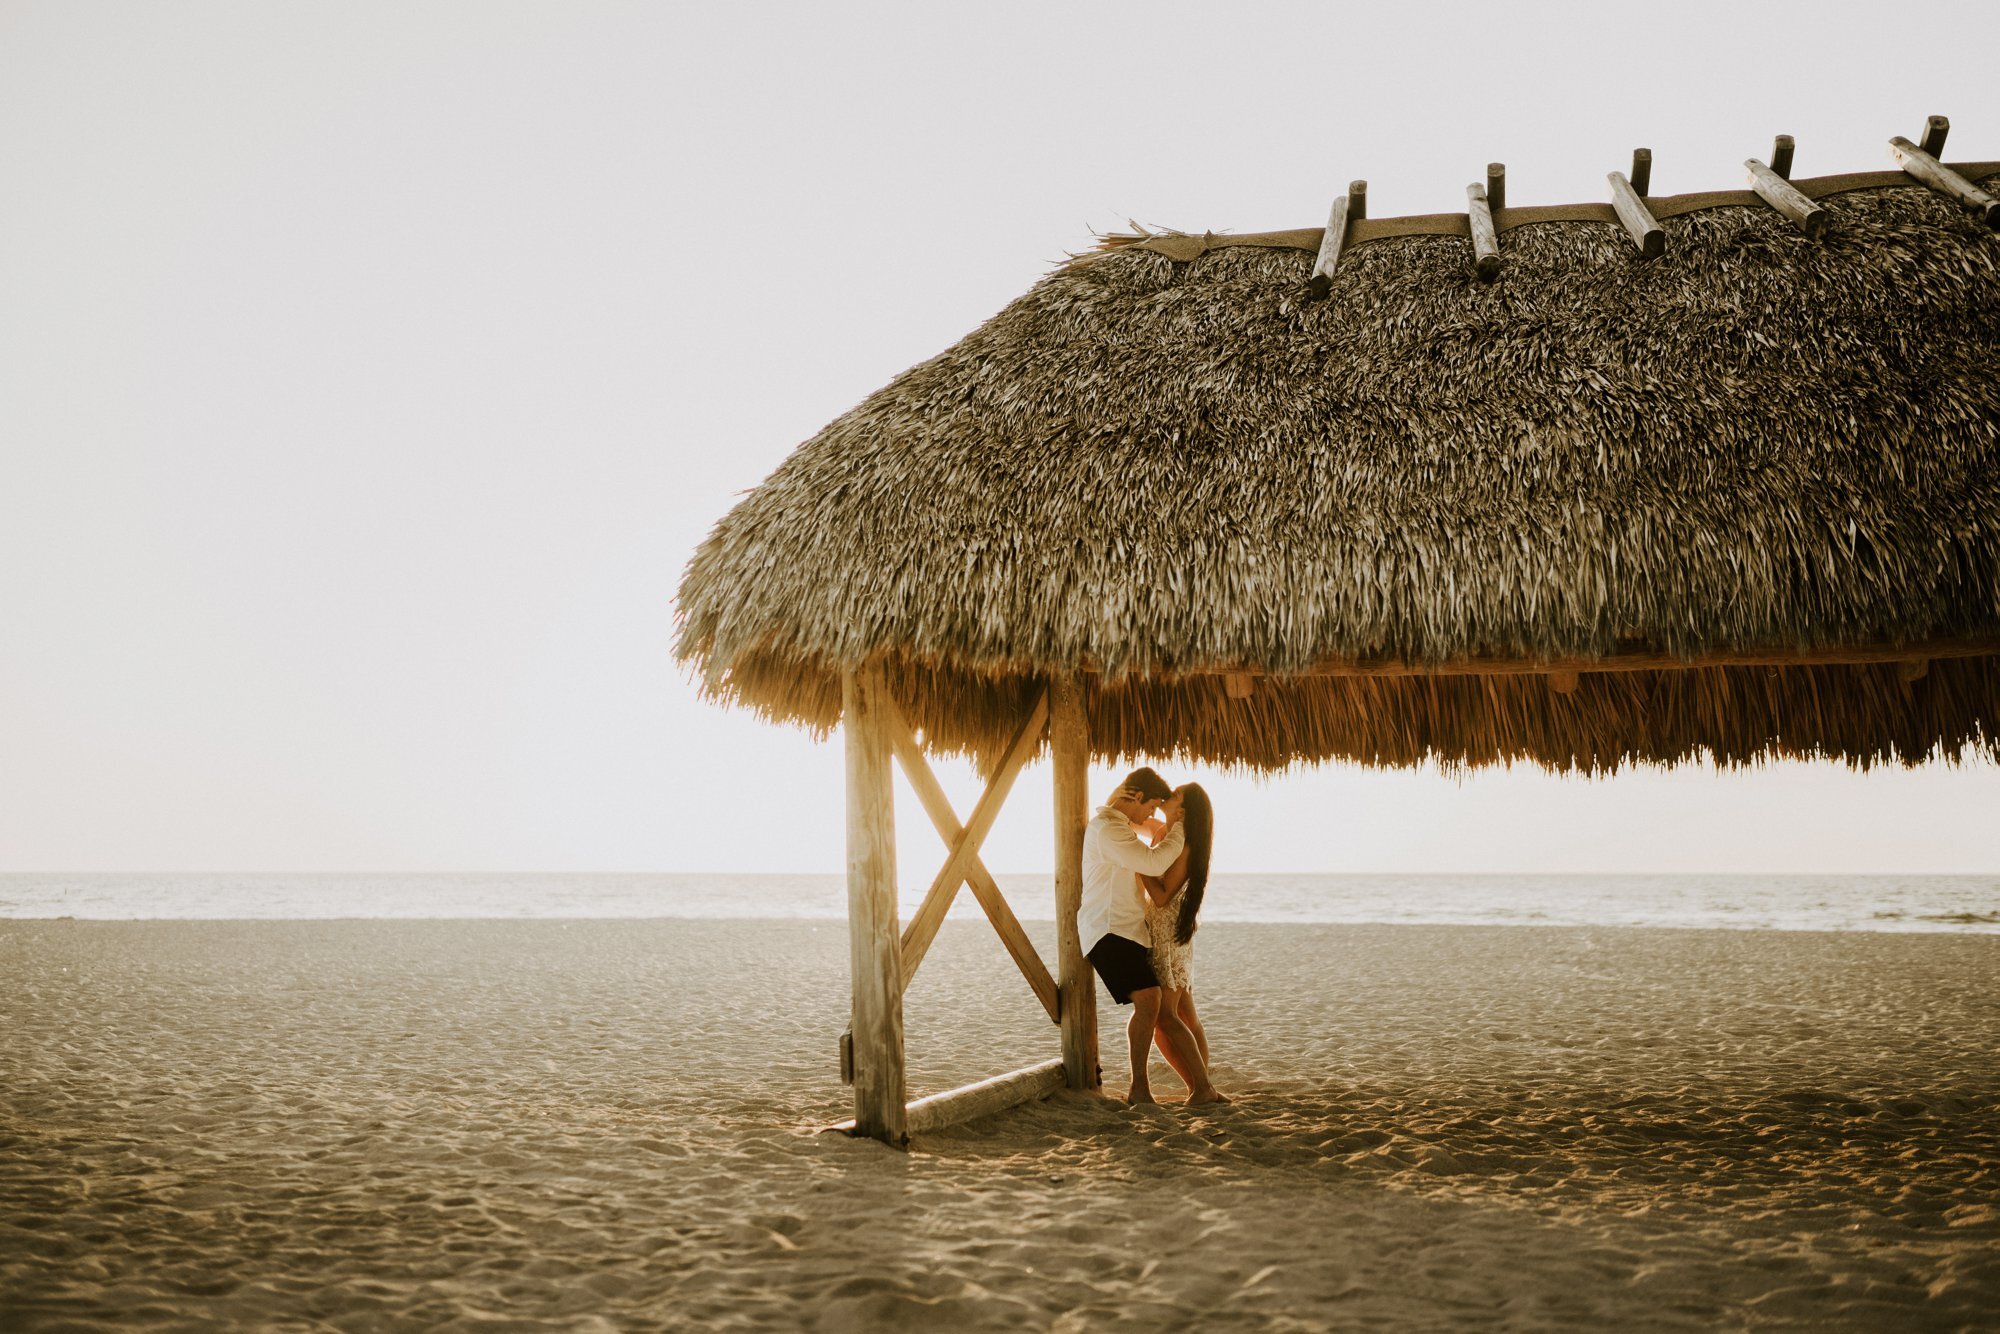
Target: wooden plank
[877, 1018]
[1945, 181]
[930, 793]
[1852, 656]
[976, 1100]
[1069, 751]
[1485, 240]
[1638, 219]
[1781, 156]
[1935, 130]
[1496, 185]
[1642, 171]
[1782, 195]
[1350, 208]
[929, 916]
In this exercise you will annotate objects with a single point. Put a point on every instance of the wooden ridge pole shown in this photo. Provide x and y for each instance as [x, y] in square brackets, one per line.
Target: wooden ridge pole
[873, 959]
[1069, 748]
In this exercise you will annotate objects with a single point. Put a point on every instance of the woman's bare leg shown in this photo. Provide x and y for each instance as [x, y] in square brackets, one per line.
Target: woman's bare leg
[1184, 1006]
[1170, 1004]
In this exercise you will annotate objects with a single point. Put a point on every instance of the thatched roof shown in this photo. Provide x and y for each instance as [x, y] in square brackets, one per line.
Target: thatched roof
[1158, 469]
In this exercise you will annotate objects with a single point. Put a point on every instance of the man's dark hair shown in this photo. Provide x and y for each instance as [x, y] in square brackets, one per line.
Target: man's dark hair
[1147, 784]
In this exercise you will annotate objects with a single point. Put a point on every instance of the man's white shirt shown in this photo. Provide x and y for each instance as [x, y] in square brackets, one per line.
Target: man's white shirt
[1114, 858]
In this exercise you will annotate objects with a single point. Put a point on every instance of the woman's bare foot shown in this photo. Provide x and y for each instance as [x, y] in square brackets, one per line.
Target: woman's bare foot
[1139, 1097]
[1208, 1098]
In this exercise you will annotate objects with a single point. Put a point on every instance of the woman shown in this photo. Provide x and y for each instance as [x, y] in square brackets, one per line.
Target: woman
[1174, 902]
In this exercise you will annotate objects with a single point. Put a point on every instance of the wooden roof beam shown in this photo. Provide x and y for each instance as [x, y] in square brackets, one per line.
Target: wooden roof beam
[1773, 185]
[1485, 240]
[1628, 197]
[1349, 209]
[1923, 165]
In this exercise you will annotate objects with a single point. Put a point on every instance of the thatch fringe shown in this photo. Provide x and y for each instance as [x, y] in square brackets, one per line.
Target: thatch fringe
[1160, 467]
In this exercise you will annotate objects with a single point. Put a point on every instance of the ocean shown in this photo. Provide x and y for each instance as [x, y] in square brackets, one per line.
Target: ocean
[1959, 903]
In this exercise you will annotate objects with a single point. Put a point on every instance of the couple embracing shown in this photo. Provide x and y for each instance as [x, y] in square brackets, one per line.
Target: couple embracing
[1136, 921]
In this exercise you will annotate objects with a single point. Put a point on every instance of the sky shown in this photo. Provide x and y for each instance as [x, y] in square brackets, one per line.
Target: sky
[369, 372]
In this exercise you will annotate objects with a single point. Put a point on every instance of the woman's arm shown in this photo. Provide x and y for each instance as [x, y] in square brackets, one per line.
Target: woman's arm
[1160, 888]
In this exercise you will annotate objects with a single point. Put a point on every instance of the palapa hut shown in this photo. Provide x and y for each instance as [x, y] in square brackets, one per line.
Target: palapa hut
[1709, 476]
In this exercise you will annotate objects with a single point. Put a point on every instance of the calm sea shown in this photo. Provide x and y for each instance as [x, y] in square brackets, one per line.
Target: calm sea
[1968, 903]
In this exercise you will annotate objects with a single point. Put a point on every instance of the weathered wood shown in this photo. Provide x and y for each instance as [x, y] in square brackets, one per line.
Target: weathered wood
[930, 793]
[1563, 681]
[1485, 240]
[976, 1100]
[1782, 195]
[929, 916]
[1642, 171]
[877, 1018]
[1496, 185]
[1349, 208]
[1945, 181]
[986, 1097]
[1851, 656]
[1781, 156]
[1239, 685]
[1069, 749]
[1638, 219]
[1935, 130]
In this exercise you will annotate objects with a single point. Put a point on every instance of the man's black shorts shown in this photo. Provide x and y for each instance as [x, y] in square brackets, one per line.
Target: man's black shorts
[1125, 965]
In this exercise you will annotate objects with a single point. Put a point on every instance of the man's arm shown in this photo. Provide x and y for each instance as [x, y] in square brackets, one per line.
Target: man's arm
[1121, 846]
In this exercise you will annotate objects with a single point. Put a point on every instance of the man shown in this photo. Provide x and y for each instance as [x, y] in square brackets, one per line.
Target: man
[1111, 924]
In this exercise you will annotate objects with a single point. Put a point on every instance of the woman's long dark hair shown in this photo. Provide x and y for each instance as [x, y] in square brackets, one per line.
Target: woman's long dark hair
[1198, 825]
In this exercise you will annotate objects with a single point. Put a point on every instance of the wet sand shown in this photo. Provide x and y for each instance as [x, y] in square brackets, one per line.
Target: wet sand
[609, 1125]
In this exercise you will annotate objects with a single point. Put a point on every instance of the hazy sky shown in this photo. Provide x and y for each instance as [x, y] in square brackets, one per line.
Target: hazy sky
[368, 373]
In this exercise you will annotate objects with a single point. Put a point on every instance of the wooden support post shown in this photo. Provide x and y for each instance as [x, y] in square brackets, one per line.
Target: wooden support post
[1239, 685]
[1912, 670]
[1638, 219]
[877, 1020]
[1348, 209]
[1782, 195]
[1069, 748]
[1781, 156]
[1935, 130]
[929, 916]
[1926, 168]
[1496, 185]
[1563, 680]
[1485, 240]
[931, 794]
[1642, 171]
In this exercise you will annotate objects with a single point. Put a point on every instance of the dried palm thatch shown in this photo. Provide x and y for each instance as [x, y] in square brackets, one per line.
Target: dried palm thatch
[1157, 470]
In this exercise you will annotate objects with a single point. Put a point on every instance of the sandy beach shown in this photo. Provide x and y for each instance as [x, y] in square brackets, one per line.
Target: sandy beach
[489, 1125]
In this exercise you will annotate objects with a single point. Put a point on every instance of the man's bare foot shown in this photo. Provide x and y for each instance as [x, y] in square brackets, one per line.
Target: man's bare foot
[1209, 1098]
[1139, 1097]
